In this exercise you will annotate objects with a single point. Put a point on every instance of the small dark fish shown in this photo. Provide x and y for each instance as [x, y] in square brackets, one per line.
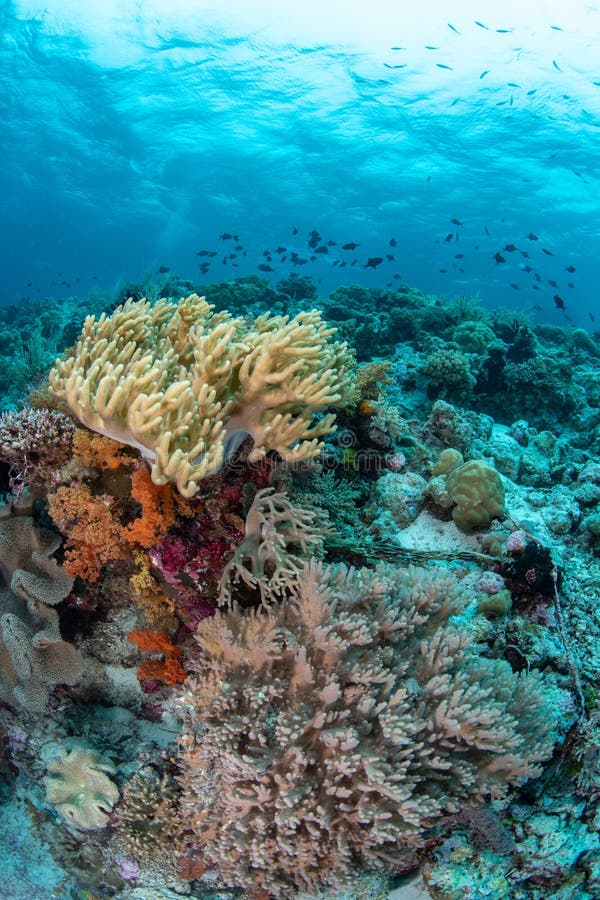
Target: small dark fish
[538, 277]
[556, 65]
[239, 247]
[294, 230]
[570, 284]
[513, 84]
[481, 25]
[397, 48]
[265, 267]
[499, 258]
[535, 287]
[525, 254]
[443, 271]
[484, 73]
[399, 66]
[556, 28]
[373, 262]
[393, 242]
[579, 175]
[323, 248]
[547, 252]
[280, 250]
[486, 231]
[456, 222]
[163, 270]
[452, 28]
[29, 283]
[592, 316]
[514, 286]
[204, 267]
[443, 66]
[202, 252]
[352, 245]
[331, 243]
[510, 248]
[559, 302]
[532, 92]
[225, 236]
[233, 256]
[532, 237]
[503, 30]
[527, 269]
[552, 283]
[428, 178]
[570, 269]
[224, 260]
[449, 237]
[212, 254]
[315, 238]
[267, 254]
[390, 257]
[430, 47]
[459, 256]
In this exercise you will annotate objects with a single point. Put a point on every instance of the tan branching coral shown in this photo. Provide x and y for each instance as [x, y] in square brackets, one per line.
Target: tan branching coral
[185, 385]
[279, 538]
[333, 731]
[80, 789]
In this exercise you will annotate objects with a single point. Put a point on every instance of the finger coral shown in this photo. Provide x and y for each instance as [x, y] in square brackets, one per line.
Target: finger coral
[336, 729]
[185, 385]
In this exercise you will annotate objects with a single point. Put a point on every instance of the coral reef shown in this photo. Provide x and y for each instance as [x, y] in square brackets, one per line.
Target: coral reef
[268, 721]
[344, 724]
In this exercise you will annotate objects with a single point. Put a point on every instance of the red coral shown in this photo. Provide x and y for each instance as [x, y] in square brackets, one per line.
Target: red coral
[157, 508]
[166, 667]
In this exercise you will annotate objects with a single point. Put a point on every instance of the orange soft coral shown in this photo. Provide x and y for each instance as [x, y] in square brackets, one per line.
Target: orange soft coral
[157, 608]
[93, 537]
[158, 508]
[167, 669]
[99, 452]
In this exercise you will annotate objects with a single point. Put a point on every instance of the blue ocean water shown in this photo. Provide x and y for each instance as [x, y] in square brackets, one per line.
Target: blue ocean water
[133, 135]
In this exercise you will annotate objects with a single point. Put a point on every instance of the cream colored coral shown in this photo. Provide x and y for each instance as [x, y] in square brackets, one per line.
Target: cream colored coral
[185, 385]
[80, 789]
[335, 729]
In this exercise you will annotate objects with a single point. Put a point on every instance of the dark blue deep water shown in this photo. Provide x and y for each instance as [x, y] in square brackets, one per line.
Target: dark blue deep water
[134, 134]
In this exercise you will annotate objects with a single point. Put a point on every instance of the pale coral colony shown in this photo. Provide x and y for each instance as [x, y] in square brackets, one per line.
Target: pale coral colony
[295, 608]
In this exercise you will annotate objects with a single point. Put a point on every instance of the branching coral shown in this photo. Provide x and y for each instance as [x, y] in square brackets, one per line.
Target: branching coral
[185, 385]
[279, 537]
[337, 728]
[35, 443]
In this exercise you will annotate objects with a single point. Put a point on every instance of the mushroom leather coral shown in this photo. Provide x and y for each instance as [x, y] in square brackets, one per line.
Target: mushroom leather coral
[185, 385]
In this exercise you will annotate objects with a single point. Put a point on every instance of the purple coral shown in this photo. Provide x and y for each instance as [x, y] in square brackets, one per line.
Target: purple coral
[34, 443]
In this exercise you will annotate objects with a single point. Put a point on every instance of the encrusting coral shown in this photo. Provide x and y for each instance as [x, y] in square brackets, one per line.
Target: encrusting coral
[336, 729]
[185, 385]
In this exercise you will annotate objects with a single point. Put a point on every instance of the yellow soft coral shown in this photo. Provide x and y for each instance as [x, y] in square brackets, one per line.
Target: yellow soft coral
[185, 385]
